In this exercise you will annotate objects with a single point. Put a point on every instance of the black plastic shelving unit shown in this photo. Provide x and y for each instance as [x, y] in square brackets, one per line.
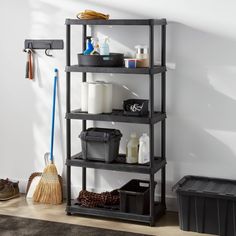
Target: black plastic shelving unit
[156, 163]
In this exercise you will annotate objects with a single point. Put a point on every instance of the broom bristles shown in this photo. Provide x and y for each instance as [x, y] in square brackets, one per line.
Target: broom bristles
[48, 189]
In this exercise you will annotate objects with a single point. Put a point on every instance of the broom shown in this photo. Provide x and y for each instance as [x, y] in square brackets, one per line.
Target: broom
[49, 189]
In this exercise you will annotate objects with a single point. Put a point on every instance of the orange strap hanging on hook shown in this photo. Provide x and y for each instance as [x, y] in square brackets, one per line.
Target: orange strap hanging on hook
[30, 60]
[29, 64]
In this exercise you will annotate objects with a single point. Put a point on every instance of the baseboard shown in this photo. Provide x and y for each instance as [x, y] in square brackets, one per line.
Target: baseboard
[23, 186]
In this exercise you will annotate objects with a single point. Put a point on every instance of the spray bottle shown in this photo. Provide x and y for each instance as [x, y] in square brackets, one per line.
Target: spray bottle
[89, 47]
[104, 49]
[96, 50]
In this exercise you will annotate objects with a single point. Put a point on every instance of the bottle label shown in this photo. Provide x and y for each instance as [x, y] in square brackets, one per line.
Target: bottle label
[132, 155]
[134, 152]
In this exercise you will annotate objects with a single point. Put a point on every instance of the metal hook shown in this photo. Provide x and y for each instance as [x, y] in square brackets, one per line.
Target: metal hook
[46, 52]
[29, 48]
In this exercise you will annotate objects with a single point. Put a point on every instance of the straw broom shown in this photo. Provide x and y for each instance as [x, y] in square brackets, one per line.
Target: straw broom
[49, 189]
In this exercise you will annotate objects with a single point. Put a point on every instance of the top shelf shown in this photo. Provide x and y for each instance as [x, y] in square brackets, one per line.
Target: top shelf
[117, 22]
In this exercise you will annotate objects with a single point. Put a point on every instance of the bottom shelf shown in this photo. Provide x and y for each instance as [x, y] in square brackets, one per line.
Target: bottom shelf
[116, 214]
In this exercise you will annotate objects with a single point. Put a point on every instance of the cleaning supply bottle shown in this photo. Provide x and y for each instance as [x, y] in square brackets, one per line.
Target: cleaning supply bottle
[89, 47]
[96, 50]
[132, 149]
[144, 149]
[104, 49]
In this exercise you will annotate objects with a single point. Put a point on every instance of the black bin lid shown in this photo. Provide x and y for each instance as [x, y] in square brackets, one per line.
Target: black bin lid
[206, 186]
[100, 134]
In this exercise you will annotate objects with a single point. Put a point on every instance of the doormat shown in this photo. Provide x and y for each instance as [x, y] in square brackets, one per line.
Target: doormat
[19, 226]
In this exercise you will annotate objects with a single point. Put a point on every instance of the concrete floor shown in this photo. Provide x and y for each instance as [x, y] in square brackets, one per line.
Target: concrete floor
[166, 226]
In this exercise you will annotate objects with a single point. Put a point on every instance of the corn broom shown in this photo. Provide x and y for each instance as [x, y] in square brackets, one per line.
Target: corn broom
[49, 188]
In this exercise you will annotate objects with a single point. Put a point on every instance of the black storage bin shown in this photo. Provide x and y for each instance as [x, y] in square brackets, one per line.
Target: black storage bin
[207, 205]
[100, 144]
[111, 60]
[135, 197]
[135, 107]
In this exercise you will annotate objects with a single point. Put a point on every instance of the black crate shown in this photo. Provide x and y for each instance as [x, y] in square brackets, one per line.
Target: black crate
[135, 197]
[207, 205]
[100, 144]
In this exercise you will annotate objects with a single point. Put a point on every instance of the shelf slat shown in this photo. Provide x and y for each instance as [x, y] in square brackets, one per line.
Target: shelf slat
[116, 214]
[117, 22]
[116, 116]
[116, 70]
[77, 160]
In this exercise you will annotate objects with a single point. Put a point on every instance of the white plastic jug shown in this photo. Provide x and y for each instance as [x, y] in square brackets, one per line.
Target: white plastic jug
[144, 149]
[132, 149]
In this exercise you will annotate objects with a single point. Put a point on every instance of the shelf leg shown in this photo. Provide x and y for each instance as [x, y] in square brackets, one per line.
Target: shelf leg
[68, 121]
[152, 205]
[152, 182]
[163, 109]
[151, 126]
[84, 78]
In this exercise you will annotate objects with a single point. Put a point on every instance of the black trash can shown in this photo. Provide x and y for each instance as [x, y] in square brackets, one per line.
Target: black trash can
[100, 144]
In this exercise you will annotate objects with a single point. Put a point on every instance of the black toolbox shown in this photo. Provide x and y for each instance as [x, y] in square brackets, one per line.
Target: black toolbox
[207, 205]
[100, 144]
[135, 197]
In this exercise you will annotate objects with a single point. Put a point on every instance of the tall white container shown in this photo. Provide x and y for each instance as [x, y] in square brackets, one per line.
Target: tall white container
[84, 96]
[95, 98]
[107, 98]
[144, 149]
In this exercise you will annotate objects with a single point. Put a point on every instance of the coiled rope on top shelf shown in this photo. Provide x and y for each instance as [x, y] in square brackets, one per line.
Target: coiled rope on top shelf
[92, 15]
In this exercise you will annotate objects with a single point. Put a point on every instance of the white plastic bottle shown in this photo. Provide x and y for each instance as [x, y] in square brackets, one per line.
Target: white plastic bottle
[132, 149]
[104, 48]
[144, 149]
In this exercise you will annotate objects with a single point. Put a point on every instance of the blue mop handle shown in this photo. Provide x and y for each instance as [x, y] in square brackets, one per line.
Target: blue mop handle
[53, 113]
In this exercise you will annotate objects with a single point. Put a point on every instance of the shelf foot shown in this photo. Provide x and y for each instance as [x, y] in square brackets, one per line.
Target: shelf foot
[152, 223]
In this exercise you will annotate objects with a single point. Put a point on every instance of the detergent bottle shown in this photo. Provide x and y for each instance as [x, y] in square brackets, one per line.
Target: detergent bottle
[104, 49]
[144, 149]
[132, 149]
[89, 47]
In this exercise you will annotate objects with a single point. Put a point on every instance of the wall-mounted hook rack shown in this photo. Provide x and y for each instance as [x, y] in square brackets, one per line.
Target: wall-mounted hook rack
[46, 44]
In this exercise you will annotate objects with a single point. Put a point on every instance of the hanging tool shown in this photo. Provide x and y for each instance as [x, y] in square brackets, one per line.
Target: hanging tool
[29, 65]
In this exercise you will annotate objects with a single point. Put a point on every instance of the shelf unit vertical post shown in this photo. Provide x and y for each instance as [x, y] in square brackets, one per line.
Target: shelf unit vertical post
[163, 109]
[84, 78]
[68, 109]
[151, 126]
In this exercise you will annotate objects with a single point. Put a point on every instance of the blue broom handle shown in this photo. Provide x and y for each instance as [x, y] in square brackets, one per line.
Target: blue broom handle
[53, 113]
